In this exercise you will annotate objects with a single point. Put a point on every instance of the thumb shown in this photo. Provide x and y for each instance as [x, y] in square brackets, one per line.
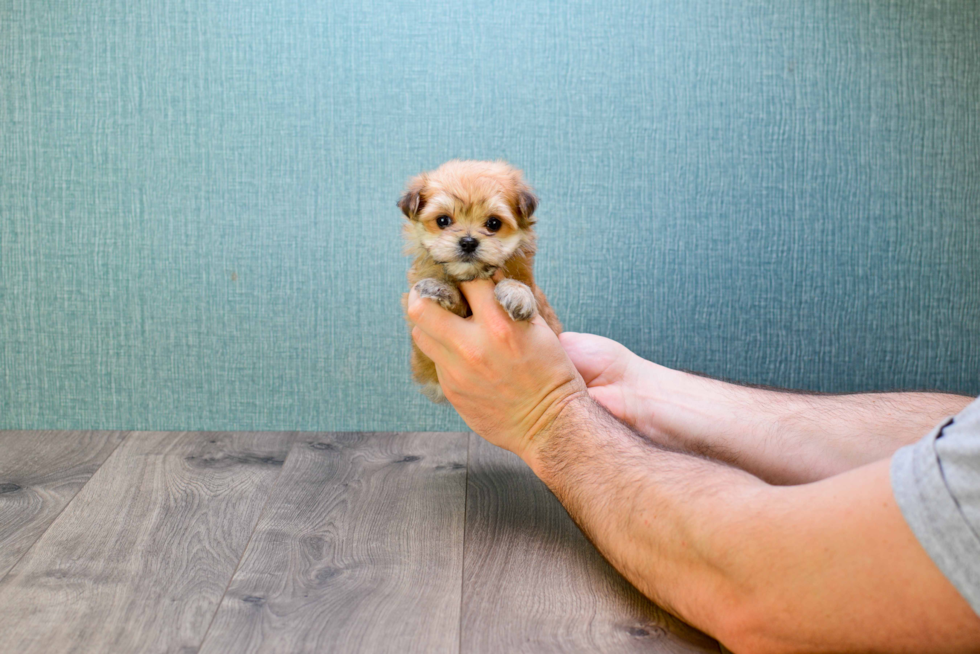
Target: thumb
[599, 360]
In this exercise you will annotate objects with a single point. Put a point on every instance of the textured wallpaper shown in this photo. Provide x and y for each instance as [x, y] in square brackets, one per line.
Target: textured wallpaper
[197, 198]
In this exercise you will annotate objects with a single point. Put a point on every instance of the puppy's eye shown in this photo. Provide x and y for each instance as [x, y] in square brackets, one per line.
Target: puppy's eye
[444, 221]
[493, 223]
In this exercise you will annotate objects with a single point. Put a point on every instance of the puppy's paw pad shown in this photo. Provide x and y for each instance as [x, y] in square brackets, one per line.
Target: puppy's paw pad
[516, 299]
[443, 293]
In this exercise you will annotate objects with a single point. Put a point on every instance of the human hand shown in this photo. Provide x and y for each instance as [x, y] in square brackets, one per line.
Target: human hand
[508, 380]
[614, 375]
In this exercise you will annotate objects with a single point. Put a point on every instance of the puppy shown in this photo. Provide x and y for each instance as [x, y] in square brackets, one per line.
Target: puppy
[467, 220]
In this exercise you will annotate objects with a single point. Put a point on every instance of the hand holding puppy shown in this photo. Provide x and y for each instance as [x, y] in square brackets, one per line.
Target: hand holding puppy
[471, 220]
[507, 379]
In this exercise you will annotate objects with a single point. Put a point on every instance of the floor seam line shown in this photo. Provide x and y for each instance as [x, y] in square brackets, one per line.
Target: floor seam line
[293, 437]
[65, 507]
[462, 566]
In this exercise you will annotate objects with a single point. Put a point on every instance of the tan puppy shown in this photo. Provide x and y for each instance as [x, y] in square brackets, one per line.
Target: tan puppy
[467, 220]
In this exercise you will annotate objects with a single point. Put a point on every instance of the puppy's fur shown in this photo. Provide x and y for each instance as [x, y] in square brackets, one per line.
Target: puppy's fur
[467, 220]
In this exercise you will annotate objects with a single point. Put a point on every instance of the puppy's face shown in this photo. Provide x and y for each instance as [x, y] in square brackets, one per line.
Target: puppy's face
[469, 216]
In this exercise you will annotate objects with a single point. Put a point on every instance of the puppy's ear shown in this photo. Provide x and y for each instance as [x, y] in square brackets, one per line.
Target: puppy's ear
[411, 202]
[524, 200]
[527, 202]
[524, 203]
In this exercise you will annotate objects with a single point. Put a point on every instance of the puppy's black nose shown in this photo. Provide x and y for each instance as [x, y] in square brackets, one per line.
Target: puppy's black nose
[468, 244]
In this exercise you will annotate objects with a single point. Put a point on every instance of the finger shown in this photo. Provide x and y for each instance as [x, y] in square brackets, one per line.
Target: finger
[541, 322]
[480, 296]
[430, 347]
[432, 318]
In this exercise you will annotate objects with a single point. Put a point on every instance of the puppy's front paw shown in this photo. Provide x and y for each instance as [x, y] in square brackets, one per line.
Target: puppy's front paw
[441, 292]
[517, 299]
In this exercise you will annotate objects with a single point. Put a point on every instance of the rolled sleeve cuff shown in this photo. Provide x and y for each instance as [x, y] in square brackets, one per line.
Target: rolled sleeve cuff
[934, 515]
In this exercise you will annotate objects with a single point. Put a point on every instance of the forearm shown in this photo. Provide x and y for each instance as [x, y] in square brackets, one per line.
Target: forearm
[664, 519]
[762, 568]
[783, 437]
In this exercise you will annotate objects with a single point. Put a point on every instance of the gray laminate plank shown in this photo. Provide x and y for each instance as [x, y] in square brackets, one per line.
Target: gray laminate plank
[140, 558]
[533, 583]
[359, 550]
[40, 472]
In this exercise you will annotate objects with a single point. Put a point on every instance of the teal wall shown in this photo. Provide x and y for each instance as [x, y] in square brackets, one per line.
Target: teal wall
[197, 198]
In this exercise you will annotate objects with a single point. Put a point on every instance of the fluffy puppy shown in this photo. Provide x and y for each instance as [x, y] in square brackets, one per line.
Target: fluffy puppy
[467, 220]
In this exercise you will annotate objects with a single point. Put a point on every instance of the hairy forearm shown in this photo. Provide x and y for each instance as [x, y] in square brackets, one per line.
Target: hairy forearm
[762, 568]
[783, 437]
[663, 518]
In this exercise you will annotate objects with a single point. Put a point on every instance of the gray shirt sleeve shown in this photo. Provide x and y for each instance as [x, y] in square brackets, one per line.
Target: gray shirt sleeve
[936, 483]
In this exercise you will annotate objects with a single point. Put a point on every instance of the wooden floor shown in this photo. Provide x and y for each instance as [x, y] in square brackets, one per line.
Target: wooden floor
[300, 542]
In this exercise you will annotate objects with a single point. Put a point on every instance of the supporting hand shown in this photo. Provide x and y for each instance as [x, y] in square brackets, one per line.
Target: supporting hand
[508, 380]
[615, 376]
[781, 437]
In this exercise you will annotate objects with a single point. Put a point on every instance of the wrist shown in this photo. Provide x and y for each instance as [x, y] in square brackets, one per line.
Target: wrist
[684, 411]
[566, 419]
[668, 404]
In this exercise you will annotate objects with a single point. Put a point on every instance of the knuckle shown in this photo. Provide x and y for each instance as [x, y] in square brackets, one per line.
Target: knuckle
[472, 356]
[500, 333]
[499, 328]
